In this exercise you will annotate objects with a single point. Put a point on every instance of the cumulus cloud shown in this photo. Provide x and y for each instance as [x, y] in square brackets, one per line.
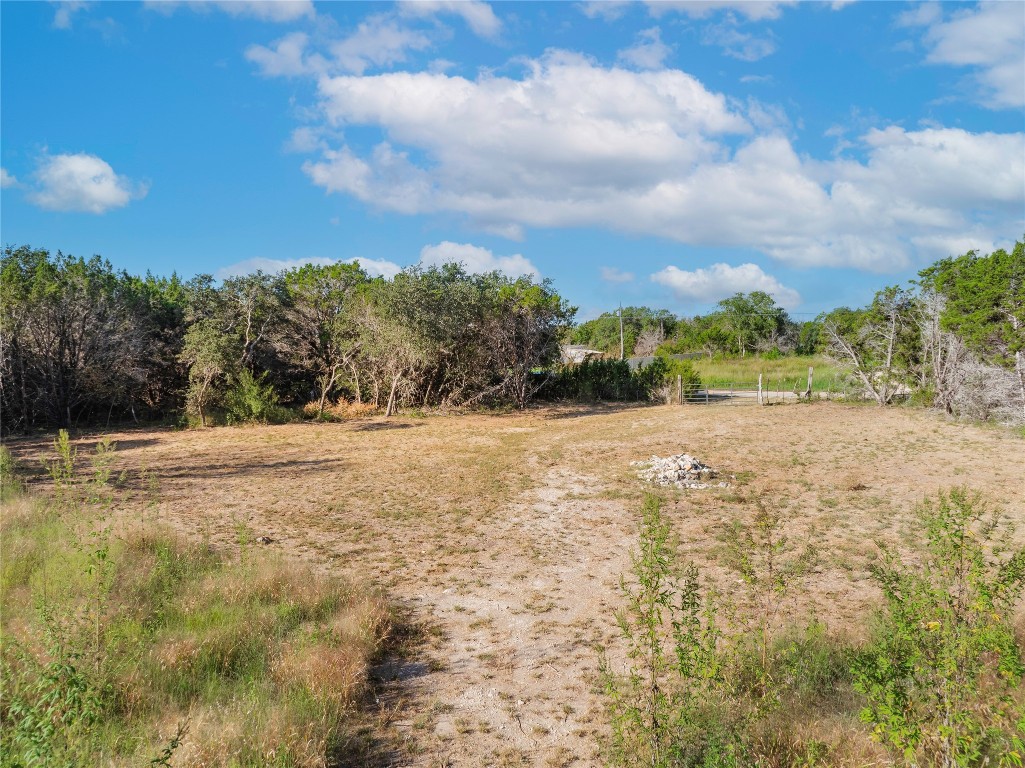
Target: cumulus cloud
[476, 259]
[81, 182]
[373, 267]
[378, 40]
[614, 275]
[989, 38]
[376, 267]
[286, 57]
[711, 284]
[753, 10]
[478, 15]
[6, 179]
[572, 143]
[263, 264]
[569, 130]
[649, 52]
[263, 10]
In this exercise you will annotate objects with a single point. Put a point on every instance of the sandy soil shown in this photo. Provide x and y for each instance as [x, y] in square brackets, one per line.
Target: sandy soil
[505, 536]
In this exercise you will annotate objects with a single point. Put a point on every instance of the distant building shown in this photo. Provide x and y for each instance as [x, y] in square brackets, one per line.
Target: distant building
[578, 353]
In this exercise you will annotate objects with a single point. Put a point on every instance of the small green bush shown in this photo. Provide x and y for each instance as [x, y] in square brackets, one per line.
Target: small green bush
[940, 675]
[252, 399]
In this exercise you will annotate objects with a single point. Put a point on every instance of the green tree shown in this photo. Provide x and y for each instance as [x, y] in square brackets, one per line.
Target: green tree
[985, 305]
[880, 344]
[752, 321]
[642, 326]
[211, 355]
[72, 335]
[320, 334]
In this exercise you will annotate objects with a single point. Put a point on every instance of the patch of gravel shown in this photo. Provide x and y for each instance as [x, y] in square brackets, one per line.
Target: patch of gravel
[680, 470]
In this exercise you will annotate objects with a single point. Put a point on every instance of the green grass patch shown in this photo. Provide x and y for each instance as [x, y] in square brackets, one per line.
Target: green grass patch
[742, 372]
[137, 647]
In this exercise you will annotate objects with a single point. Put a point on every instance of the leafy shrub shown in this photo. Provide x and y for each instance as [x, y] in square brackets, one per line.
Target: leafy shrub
[945, 661]
[668, 708]
[665, 375]
[607, 379]
[252, 399]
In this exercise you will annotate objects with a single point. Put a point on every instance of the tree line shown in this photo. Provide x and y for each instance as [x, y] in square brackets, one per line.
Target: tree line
[954, 338]
[742, 324]
[85, 343]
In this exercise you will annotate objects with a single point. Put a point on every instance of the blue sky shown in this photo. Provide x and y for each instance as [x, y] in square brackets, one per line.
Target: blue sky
[664, 153]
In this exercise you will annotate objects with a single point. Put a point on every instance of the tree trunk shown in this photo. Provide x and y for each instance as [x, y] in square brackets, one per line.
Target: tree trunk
[391, 397]
[1019, 364]
[355, 381]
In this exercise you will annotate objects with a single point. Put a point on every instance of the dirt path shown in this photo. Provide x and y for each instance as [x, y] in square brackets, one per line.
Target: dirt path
[520, 629]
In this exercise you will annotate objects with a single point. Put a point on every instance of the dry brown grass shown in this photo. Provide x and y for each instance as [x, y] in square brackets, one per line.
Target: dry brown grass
[507, 534]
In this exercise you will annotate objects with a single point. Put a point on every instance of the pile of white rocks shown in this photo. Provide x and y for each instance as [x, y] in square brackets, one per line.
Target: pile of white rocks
[681, 471]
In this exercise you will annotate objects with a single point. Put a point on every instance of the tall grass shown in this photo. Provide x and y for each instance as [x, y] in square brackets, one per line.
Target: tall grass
[742, 372]
[129, 645]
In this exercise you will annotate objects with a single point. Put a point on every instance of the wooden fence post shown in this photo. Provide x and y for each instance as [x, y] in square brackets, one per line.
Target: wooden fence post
[679, 388]
[760, 389]
[811, 372]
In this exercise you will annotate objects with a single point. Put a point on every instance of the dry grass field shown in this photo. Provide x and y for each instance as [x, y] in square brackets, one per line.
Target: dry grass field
[504, 536]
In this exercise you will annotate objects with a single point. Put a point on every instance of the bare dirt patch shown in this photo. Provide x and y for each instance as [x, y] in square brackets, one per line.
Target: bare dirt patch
[507, 534]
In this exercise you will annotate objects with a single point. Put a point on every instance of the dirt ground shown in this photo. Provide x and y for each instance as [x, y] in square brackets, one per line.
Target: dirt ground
[506, 535]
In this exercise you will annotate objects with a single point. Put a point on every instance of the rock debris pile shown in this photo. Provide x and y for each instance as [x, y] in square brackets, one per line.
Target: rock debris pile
[681, 471]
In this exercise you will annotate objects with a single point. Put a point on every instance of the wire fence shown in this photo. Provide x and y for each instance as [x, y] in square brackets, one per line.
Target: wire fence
[770, 392]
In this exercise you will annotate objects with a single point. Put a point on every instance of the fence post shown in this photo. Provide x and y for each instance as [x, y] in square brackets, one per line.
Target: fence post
[811, 372]
[760, 389]
[679, 387]
[706, 394]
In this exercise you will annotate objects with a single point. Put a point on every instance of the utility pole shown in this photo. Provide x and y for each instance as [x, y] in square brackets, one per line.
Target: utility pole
[622, 348]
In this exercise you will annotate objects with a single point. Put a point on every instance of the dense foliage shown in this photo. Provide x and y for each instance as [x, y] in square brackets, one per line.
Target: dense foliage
[83, 343]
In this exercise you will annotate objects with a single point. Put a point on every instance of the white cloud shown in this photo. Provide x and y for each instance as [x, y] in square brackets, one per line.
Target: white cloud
[376, 267]
[305, 139]
[6, 179]
[270, 266]
[569, 132]
[64, 15]
[287, 57]
[649, 52]
[81, 182]
[269, 10]
[373, 267]
[477, 14]
[379, 40]
[754, 10]
[989, 38]
[614, 275]
[570, 143]
[708, 285]
[263, 10]
[737, 44]
[609, 10]
[476, 259]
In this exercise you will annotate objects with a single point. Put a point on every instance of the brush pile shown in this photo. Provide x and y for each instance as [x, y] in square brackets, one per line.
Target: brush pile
[680, 471]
